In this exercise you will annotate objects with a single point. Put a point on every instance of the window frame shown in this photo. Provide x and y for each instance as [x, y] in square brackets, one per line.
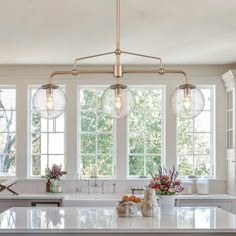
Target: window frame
[163, 128]
[30, 89]
[11, 87]
[212, 132]
[114, 139]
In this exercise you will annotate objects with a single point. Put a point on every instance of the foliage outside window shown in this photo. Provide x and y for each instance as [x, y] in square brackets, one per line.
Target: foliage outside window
[195, 141]
[146, 132]
[8, 132]
[96, 134]
[46, 141]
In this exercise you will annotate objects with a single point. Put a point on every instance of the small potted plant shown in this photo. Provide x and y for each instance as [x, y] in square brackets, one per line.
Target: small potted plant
[52, 176]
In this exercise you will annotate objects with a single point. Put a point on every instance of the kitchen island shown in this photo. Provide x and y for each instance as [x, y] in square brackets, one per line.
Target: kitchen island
[104, 221]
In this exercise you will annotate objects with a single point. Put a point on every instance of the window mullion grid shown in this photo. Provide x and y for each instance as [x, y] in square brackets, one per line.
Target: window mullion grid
[193, 137]
[96, 134]
[47, 143]
[145, 143]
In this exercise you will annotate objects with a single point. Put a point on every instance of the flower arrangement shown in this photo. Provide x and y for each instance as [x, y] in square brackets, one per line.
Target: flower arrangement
[53, 173]
[166, 183]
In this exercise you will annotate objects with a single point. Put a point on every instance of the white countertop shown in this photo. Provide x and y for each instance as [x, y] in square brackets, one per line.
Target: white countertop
[98, 220]
[107, 196]
[41, 196]
[207, 196]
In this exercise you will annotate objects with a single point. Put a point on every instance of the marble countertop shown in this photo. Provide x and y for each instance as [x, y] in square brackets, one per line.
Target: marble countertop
[207, 196]
[108, 196]
[41, 196]
[98, 220]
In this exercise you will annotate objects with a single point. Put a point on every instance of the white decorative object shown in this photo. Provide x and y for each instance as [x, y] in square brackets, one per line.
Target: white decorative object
[149, 206]
[167, 203]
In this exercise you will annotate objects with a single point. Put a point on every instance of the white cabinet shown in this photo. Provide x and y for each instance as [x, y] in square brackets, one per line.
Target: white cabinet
[5, 204]
[8, 203]
[229, 79]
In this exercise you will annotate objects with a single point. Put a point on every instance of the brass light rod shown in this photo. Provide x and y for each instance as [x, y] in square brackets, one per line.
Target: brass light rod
[92, 56]
[160, 71]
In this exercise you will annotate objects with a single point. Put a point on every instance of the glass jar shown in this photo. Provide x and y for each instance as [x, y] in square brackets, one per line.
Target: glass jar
[188, 187]
[127, 209]
[202, 186]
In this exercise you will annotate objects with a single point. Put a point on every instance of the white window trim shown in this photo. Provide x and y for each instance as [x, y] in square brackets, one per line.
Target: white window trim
[114, 140]
[163, 127]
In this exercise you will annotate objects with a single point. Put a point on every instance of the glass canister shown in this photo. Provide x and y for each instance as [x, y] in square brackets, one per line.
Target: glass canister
[202, 186]
[127, 209]
[188, 187]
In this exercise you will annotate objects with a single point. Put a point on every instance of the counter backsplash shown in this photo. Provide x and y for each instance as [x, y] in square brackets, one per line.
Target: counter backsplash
[110, 186]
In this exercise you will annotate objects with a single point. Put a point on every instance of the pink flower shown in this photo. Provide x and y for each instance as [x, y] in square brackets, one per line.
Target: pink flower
[165, 183]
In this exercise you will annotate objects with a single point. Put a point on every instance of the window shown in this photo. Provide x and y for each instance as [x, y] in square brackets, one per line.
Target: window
[96, 135]
[195, 143]
[46, 141]
[7, 131]
[145, 132]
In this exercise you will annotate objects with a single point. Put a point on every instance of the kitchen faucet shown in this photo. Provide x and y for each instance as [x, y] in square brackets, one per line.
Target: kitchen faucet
[95, 185]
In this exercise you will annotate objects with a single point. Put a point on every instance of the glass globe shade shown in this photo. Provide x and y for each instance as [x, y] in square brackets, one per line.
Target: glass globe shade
[50, 101]
[118, 100]
[187, 101]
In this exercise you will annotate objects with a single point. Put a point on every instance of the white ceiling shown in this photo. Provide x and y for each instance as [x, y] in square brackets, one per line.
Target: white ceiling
[58, 31]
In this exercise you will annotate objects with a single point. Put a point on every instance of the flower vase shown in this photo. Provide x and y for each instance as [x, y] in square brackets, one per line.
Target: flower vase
[149, 206]
[54, 185]
[167, 204]
[48, 186]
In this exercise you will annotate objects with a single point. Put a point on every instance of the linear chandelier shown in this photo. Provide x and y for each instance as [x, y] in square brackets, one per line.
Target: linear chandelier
[187, 100]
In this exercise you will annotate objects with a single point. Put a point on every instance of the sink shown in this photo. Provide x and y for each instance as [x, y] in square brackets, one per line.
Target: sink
[92, 196]
[91, 200]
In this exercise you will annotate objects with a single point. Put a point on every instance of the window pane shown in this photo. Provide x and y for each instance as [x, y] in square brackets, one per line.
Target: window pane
[87, 164]
[185, 165]
[88, 121]
[47, 141]
[137, 121]
[145, 132]
[88, 99]
[88, 143]
[104, 122]
[202, 123]
[96, 135]
[136, 165]
[56, 141]
[195, 141]
[202, 165]
[184, 126]
[153, 121]
[104, 164]
[153, 143]
[202, 143]
[136, 144]
[104, 143]
[7, 131]
[153, 163]
[185, 143]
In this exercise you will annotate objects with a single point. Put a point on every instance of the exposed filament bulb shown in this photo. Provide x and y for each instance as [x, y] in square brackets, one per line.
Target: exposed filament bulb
[118, 104]
[118, 101]
[50, 100]
[187, 99]
[187, 103]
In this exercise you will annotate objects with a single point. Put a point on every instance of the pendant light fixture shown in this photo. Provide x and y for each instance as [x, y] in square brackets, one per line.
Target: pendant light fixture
[50, 100]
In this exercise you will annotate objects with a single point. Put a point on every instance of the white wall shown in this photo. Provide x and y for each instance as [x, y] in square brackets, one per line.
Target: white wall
[22, 76]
